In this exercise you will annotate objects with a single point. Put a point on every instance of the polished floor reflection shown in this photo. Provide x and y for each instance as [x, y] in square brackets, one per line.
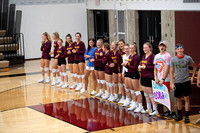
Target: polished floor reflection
[93, 114]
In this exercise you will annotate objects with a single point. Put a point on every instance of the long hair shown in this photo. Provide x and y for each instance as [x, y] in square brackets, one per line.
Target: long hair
[135, 45]
[47, 36]
[121, 40]
[66, 43]
[106, 45]
[89, 47]
[148, 44]
[56, 35]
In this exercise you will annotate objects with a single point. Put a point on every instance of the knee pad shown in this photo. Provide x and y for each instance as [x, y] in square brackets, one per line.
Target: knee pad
[137, 93]
[107, 84]
[103, 81]
[127, 90]
[75, 75]
[132, 92]
[151, 96]
[53, 70]
[78, 76]
[41, 68]
[110, 85]
[82, 76]
[115, 85]
[61, 74]
[124, 85]
[120, 85]
[47, 69]
[57, 70]
[64, 74]
[98, 81]
[146, 94]
[72, 75]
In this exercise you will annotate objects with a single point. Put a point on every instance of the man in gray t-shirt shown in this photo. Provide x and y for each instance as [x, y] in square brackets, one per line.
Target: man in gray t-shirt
[181, 84]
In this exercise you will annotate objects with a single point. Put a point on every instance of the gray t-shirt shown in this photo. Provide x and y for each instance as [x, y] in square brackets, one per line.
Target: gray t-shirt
[181, 68]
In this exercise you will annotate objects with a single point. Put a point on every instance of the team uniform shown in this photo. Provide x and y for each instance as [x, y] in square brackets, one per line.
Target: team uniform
[120, 60]
[62, 53]
[106, 62]
[160, 61]
[147, 75]
[91, 53]
[46, 48]
[124, 69]
[55, 46]
[70, 57]
[80, 50]
[98, 60]
[181, 80]
[114, 58]
[132, 66]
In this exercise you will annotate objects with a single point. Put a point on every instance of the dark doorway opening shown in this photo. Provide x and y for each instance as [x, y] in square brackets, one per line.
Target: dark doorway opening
[149, 29]
[101, 25]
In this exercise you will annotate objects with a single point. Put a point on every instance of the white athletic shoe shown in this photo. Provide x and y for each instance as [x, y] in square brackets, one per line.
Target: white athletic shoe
[122, 100]
[78, 88]
[47, 81]
[61, 84]
[73, 86]
[99, 94]
[65, 85]
[146, 111]
[111, 96]
[127, 103]
[133, 107]
[155, 112]
[53, 83]
[41, 81]
[138, 109]
[93, 92]
[114, 99]
[106, 96]
[83, 91]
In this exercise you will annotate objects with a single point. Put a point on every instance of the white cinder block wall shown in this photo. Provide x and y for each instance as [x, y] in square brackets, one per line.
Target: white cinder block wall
[63, 18]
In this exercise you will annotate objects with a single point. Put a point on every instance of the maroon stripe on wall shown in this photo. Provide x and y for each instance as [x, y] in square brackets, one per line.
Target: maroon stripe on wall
[187, 32]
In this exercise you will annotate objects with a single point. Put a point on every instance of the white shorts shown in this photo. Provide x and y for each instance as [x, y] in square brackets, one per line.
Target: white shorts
[89, 68]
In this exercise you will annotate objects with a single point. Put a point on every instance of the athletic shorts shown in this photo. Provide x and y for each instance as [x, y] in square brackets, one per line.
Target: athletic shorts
[146, 82]
[61, 62]
[81, 61]
[126, 74]
[134, 75]
[70, 62]
[101, 68]
[167, 84]
[182, 89]
[89, 68]
[108, 73]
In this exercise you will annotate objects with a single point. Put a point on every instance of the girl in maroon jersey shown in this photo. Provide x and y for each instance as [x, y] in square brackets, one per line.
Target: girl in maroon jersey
[61, 55]
[121, 44]
[147, 75]
[79, 62]
[99, 68]
[70, 56]
[55, 70]
[133, 79]
[113, 64]
[45, 59]
[108, 71]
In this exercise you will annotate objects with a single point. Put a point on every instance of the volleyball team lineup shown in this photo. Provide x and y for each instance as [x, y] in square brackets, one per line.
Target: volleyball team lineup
[118, 66]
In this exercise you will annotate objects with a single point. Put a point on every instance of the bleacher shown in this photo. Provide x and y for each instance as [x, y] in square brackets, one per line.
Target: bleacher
[11, 40]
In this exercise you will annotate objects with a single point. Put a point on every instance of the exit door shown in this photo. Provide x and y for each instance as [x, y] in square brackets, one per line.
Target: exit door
[149, 29]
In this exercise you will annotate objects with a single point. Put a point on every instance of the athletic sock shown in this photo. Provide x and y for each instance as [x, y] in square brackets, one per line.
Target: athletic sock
[140, 104]
[43, 77]
[154, 106]
[54, 79]
[187, 113]
[148, 105]
[180, 113]
[123, 97]
[49, 78]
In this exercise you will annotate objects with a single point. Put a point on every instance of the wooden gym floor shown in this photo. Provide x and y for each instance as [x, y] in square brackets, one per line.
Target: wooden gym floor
[27, 106]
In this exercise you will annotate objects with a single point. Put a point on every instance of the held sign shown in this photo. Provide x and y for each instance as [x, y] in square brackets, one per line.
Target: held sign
[161, 94]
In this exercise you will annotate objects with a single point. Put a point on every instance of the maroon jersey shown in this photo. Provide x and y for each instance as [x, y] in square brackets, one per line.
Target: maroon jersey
[98, 58]
[114, 57]
[80, 50]
[70, 56]
[148, 72]
[120, 60]
[133, 63]
[62, 52]
[46, 48]
[106, 62]
[55, 46]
